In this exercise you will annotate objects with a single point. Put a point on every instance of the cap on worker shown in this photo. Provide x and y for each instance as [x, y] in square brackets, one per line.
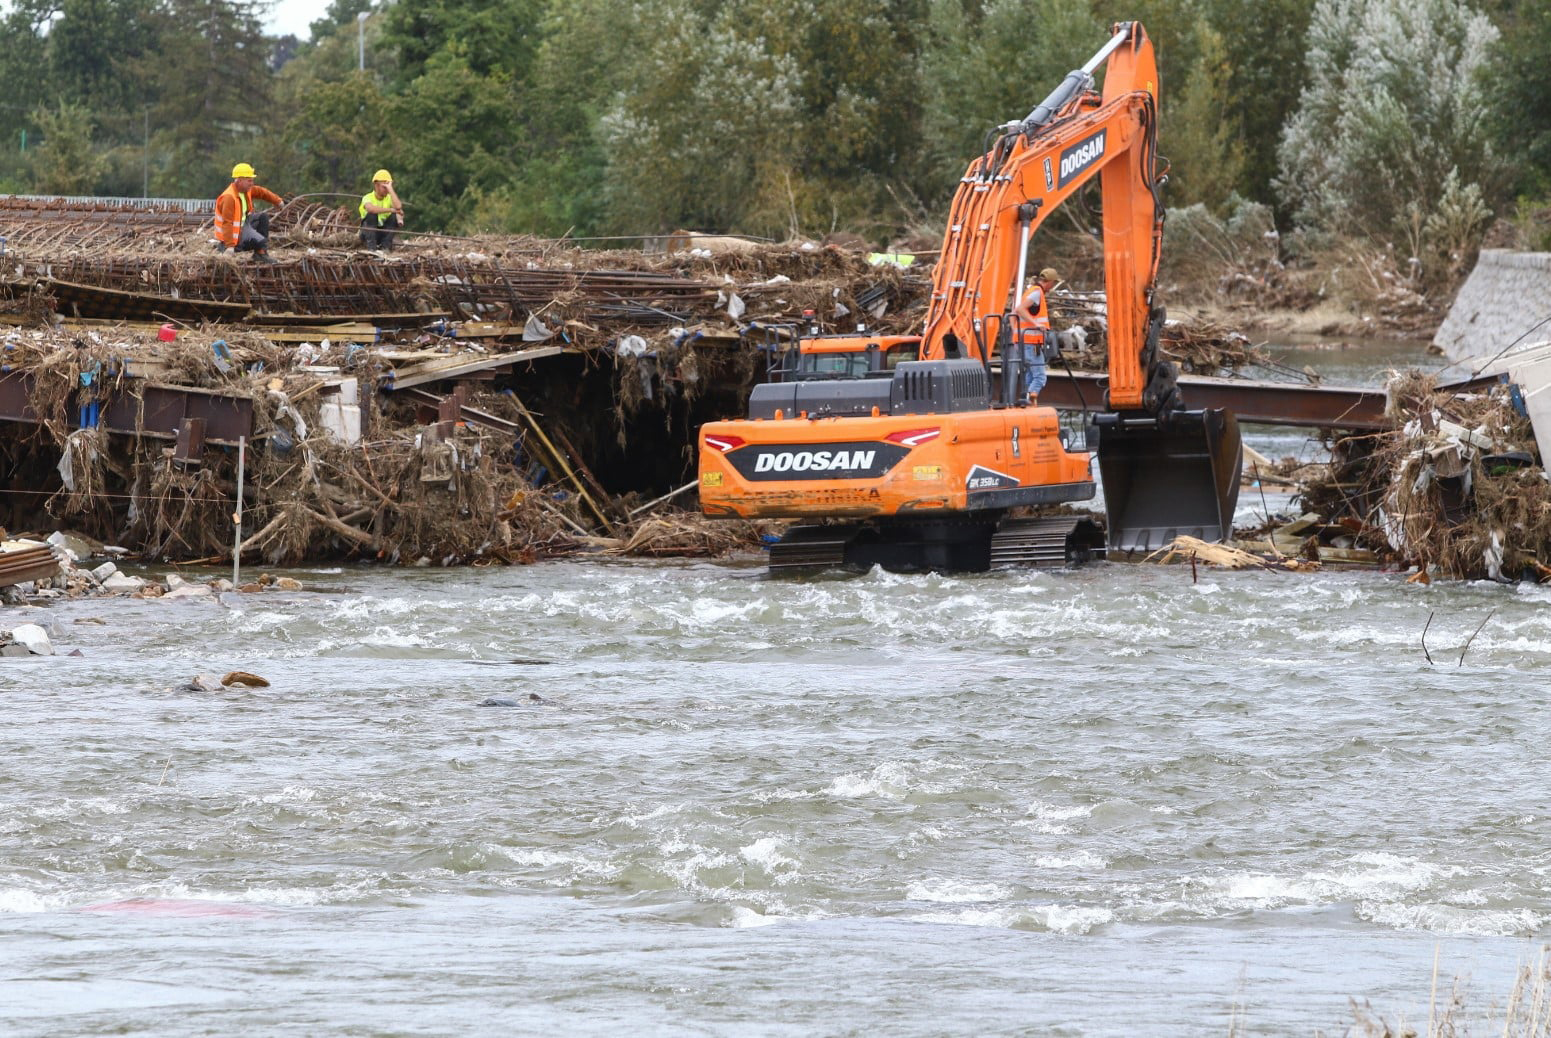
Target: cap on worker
[1049, 274]
[242, 169]
[382, 174]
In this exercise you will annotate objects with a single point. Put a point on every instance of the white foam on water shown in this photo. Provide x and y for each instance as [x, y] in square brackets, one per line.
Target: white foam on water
[75, 807]
[366, 608]
[1377, 876]
[744, 918]
[288, 795]
[1079, 860]
[998, 918]
[660, 811]
[1453, 919]
[20, 901]
[768, 853]
[893, 780]
[1047, 818]
[686, 871]
[1066, 919]
[1073, 919]
[955, 892]
[537, 857]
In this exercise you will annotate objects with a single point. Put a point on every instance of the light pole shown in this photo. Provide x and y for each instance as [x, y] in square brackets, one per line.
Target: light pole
[360, 35]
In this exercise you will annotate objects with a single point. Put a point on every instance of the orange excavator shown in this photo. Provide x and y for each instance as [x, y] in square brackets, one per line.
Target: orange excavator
[911, 452]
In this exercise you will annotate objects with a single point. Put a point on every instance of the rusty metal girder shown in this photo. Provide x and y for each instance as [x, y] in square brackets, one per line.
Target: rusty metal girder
[1267, 403]
[158, 411]
[165, 407]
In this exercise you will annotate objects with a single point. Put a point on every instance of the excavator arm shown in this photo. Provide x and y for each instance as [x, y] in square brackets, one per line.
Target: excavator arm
[1035, 165]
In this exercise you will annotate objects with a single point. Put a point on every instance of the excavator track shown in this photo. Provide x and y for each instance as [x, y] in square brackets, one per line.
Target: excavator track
[811, 547]
[1053, 542]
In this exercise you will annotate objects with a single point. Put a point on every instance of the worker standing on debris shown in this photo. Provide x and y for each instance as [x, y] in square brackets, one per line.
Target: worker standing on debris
[1034, 331]
[237, 226]
[381, 212]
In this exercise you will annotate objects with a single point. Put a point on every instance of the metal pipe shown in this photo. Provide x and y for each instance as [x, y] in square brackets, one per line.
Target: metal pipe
[242, 468]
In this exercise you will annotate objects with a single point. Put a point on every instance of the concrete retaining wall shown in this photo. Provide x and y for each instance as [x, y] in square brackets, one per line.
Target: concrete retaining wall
[1506, 300]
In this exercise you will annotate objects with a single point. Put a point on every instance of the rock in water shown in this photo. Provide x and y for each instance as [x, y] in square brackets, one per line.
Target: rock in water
[33, 638]
[498, 701]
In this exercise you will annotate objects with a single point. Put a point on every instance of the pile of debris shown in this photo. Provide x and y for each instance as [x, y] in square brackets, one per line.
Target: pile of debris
[1200, 346]
[457, 400]
[71, 565]
[1456, 489]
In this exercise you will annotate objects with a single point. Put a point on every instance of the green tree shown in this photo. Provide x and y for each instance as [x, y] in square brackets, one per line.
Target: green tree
[1393, 108]
[1263, 46]
[987, 64]
[1518, 82]
[338, 15]
[448, 139]
[1200, 138]
[708, 122]
[491, 35]
[211, 84]
[560, 161]
[334, 138]
[66, 162]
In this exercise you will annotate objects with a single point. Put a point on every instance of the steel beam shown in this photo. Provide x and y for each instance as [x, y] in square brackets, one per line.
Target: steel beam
[159, 411]
[1267, 403]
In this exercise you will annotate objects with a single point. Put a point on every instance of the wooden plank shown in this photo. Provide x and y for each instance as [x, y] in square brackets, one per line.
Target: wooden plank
[363, 333]
[456, 366]
[378, 320]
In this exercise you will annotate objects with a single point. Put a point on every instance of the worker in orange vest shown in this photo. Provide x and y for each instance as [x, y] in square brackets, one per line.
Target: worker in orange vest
[237, 226]
[1034, 331]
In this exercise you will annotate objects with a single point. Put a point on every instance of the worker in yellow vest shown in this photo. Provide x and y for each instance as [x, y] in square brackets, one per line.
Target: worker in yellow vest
[237, 226]
[381, 212]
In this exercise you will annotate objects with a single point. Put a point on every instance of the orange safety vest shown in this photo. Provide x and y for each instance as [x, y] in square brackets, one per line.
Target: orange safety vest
[1035, 314]
[232, 208]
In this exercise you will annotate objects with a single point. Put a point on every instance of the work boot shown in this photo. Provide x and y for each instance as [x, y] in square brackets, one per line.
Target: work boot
[262, 257]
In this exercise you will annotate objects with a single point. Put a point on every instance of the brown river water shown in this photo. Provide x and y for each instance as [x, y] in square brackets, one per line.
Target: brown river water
[1110, 801]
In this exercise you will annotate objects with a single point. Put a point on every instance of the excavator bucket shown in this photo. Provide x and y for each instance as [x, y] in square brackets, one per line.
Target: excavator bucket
[1166, 478]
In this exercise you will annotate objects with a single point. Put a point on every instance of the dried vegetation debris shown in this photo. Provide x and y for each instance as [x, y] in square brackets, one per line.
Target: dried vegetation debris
[1456, 488]
[412, 490]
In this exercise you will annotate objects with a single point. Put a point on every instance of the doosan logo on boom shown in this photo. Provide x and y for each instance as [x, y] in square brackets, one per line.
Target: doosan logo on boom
[1082, 155]
[814, 461]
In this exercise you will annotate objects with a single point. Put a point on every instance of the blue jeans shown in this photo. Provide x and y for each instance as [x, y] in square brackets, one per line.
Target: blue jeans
[1033, 356]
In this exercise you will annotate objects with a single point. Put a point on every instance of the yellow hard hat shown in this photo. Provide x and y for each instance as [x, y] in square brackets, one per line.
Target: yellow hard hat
[242, 169]
[382, 174]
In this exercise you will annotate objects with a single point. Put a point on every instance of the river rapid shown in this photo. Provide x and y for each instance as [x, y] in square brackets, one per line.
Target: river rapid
[1119, 800]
